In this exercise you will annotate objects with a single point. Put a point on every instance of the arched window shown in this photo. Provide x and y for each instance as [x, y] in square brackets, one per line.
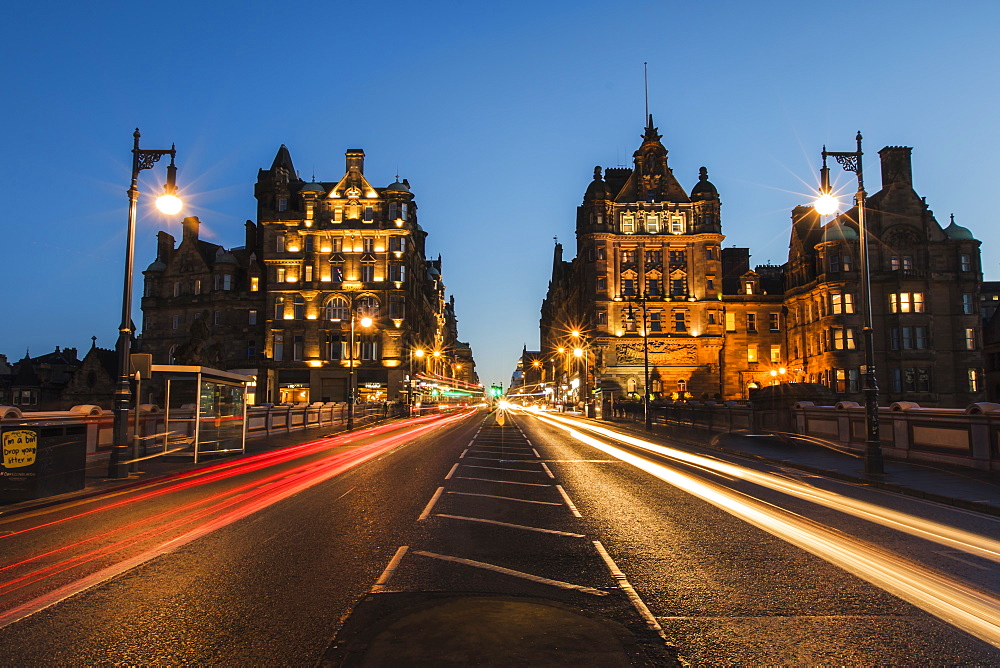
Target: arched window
[630, 386]
[336, 308]
[367, 306]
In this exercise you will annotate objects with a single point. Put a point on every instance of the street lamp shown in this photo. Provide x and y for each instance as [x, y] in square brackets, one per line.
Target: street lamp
[827, 204]
[630, 316]
[169, 204]
[413, 382]
[365, 322]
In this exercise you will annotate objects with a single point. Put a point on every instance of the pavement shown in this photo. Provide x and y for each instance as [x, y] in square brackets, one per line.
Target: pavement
[440, 629]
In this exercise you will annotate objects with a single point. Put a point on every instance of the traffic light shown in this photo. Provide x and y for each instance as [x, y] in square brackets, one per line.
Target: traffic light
[496, 391]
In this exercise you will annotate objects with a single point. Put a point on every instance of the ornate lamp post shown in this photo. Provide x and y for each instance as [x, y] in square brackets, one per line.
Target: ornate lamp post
[630, 316]
[169, 204]
[419, 353]
[827, 204]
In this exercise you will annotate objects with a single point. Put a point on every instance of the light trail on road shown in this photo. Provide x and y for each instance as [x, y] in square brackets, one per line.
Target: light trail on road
[970, 609]
[964, 541]
[168, 530]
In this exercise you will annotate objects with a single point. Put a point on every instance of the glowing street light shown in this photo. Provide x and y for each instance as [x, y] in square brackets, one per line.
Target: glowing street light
[851, 162]
[171, 204]
[366, 322]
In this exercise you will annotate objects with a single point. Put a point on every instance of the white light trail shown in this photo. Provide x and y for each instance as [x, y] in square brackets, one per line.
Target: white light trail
[963, 606]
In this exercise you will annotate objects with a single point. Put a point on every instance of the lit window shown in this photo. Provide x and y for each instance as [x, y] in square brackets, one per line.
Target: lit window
[970, 338]
[254, 283]
[309, 272]
[338, 214]
[973, 380]
[280, 274]
[906, 302]
[628, 223]
[336, 308]
[652, 224]
[749, 288]
[677, 225]
[730, 322]
[752, 352]
[197, 287]
[775, 353]
[629, 256]
[653, 257]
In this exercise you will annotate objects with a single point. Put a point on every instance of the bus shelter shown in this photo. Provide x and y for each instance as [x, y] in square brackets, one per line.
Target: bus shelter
[206, 410]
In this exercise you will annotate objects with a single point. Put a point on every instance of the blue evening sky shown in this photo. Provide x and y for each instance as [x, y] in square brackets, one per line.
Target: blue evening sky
[497, 114]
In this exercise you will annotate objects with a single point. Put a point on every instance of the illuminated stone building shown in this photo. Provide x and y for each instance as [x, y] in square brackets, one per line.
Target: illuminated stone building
[648, 250]
[321, 257]
[650, 261]
[925, 297]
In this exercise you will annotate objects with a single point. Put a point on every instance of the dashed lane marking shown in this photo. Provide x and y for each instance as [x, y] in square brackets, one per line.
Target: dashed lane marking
[569, 502]
[430, 504]
[383, 579]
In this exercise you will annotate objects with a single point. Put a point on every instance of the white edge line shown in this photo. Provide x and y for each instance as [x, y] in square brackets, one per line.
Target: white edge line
[451, 472]
[536, 453]
[463, 453]
[629, 590]
[389, 569]
[569, 502]
[548, 471]
[430, 504]
[517, 574]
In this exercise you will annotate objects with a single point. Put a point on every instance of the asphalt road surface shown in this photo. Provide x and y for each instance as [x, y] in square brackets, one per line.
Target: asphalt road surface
[291, 557]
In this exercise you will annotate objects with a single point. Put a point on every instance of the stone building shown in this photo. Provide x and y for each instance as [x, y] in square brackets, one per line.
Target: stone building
[650, 261]
[925, 298]
[320, 260]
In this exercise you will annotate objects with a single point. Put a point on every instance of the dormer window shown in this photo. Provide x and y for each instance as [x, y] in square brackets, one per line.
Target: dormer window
[282, 204]
[652, 224]
[677, 225]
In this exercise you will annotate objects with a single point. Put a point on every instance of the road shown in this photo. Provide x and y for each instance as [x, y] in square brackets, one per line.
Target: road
[303, 554]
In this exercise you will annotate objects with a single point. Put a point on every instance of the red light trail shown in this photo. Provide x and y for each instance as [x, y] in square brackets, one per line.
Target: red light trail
[133, 542]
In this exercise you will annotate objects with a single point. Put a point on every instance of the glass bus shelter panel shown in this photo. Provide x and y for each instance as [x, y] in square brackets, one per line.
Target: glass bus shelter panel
[179, 416]
[221, 417]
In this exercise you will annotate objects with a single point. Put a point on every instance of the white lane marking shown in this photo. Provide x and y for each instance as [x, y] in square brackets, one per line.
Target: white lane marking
[503, 461]
[548, 471]
[508, 498]
[451, 472]
[630, 591]
[506, 482]
[569, 502]
[383, 579]
[536, 453]
[462, 456]
[517, 574]
[430, 504]
[512, 526]
[500, 468]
